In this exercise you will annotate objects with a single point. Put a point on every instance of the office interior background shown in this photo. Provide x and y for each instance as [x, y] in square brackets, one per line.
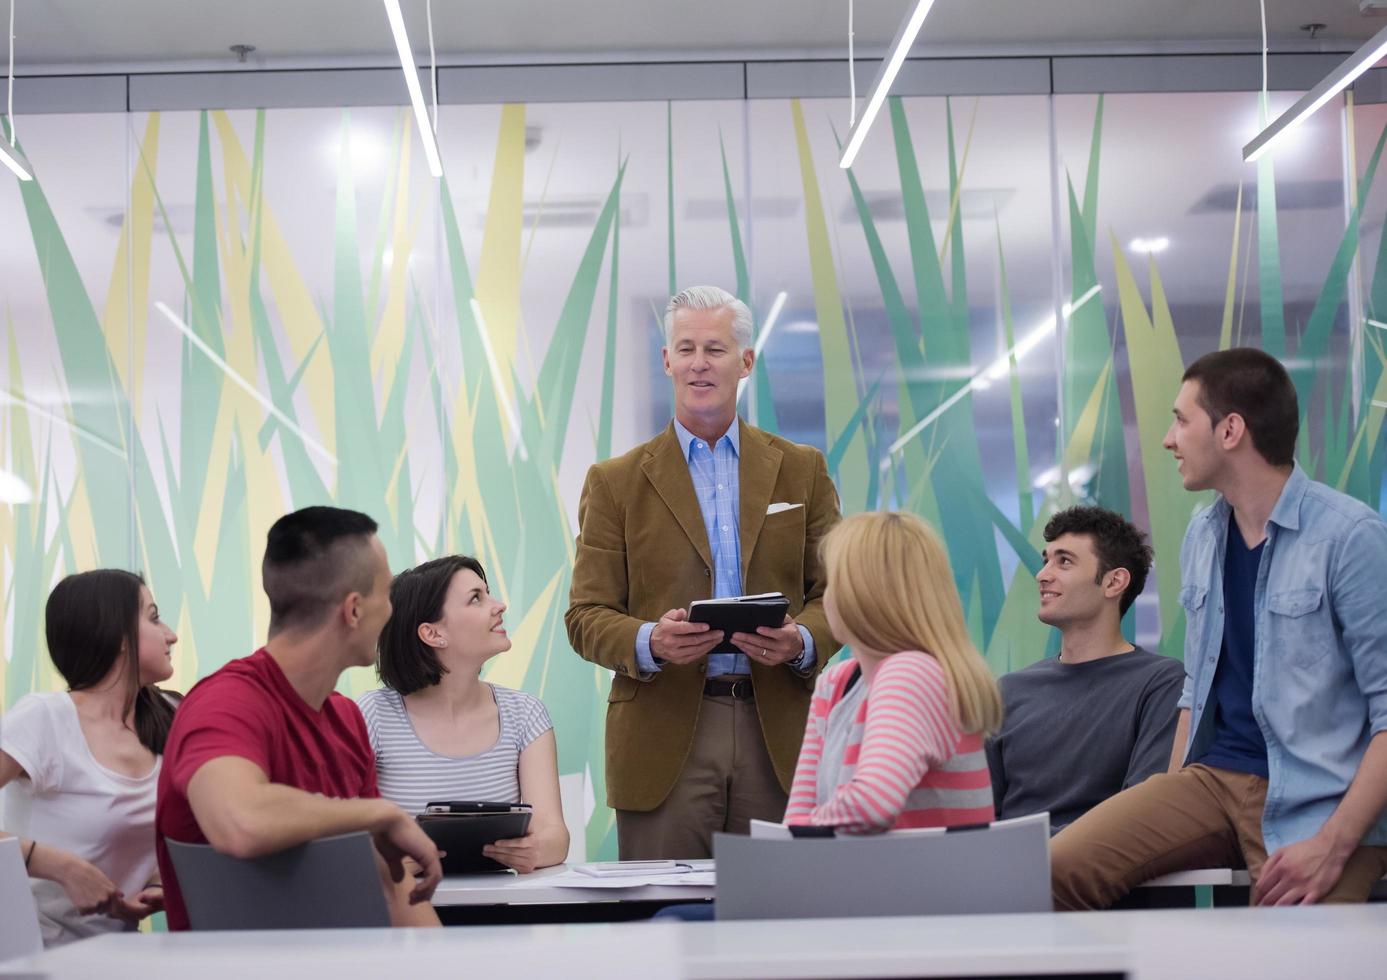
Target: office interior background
[234, 289]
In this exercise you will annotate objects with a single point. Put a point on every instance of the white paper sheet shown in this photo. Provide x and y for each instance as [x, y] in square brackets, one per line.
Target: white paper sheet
[702, 876]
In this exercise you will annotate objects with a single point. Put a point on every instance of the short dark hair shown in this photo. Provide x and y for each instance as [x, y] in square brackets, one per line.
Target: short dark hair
[92, 620]
[406, 663]
[1253, 384]
[1117, 541]
[314, 558]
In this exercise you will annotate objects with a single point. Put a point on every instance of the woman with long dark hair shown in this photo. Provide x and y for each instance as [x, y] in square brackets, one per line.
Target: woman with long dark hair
[79, 768]
[441, 733]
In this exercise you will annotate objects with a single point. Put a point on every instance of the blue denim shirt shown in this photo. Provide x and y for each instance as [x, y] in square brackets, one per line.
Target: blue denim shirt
[1319, 684]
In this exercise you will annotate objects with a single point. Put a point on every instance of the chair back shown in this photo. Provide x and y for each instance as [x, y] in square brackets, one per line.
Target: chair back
[330, 883]
[19, 916]
[573, 796]
[999, 867]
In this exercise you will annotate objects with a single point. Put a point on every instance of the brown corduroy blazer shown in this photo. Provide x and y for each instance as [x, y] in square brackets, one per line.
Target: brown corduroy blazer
[643, 550]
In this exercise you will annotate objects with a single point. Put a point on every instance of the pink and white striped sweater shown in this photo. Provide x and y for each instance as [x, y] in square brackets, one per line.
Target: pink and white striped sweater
[904, 761]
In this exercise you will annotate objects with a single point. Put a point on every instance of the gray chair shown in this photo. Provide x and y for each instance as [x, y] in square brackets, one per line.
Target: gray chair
[1000, 867]
[19, 917]
[330, 883]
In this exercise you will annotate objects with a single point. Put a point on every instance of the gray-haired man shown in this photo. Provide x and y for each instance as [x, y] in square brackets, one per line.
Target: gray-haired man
[699, 742]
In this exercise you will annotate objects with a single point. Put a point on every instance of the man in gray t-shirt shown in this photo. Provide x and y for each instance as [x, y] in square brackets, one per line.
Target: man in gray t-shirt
[1101, 716]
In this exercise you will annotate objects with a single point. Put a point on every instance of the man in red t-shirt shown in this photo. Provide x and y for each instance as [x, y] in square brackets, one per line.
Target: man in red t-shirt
[264, 754]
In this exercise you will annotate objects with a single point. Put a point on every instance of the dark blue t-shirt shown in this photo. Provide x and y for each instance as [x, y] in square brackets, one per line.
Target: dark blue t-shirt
[1238, 743]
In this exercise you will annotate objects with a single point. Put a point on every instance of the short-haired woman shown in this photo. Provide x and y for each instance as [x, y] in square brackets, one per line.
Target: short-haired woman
[79, 768]
[439, 732]
[895, 734]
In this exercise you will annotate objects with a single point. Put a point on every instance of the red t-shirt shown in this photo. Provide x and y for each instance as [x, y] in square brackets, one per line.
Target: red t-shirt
[249, 709]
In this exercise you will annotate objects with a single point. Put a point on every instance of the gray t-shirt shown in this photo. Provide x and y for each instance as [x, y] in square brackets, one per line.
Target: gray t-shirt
[412, 775]
[1075, 734]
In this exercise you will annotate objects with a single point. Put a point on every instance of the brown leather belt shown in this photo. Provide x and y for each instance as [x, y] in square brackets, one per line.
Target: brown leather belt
[737, 687]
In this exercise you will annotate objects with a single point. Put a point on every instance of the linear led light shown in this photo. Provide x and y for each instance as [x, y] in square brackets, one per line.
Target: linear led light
[9, 398]
[994, 372]
[14, 160]
[498, 380]
[886, 74]
[760, 344]
[1331, 85]
[13, 490]
[235, 377]
[1149, 246]
[416, 94]
[776, 306]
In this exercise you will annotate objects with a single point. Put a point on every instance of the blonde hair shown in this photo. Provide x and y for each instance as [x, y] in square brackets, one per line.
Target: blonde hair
[893, 590]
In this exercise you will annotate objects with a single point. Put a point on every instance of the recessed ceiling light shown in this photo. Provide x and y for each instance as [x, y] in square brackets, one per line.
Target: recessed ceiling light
[1149, 246]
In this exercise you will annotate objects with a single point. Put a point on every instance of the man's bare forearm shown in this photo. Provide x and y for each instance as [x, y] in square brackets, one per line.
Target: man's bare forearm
[244, 815]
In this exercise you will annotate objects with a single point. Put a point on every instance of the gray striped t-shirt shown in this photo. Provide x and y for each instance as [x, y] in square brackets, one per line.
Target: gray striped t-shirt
[412, 775]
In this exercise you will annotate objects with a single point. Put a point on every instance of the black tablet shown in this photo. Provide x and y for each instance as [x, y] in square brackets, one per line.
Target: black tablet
[739, 614]
[462, 834]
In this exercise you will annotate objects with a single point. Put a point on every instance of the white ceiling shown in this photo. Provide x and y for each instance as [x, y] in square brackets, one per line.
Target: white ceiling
[89, 33]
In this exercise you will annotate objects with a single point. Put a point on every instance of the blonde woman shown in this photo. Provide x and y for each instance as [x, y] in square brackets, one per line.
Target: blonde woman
[895, 734]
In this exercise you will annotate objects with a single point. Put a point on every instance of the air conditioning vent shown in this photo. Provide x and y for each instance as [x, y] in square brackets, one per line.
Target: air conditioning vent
[977, 204]
[1294, 195]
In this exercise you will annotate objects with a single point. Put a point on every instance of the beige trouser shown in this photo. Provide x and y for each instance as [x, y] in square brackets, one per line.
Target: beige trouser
[1198, 817]
[727, 781]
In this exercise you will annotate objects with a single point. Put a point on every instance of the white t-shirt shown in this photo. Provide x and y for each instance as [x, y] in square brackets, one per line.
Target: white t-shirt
[71, 801]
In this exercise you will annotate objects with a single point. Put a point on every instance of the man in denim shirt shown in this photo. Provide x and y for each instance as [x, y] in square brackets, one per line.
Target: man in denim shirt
[1278, 750]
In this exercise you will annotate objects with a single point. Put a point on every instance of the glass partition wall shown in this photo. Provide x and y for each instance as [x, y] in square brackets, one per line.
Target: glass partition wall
[214, 317]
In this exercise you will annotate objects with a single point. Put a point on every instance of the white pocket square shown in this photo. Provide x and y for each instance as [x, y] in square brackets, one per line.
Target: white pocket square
[776, 508]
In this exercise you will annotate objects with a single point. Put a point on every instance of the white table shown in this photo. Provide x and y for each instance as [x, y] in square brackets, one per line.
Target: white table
[807, 948]
[1336, 942]
[1342, 942]
[529, 952]
[534, 890]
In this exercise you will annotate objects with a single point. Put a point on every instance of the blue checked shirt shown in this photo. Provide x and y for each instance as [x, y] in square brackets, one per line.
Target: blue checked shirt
[717, 484]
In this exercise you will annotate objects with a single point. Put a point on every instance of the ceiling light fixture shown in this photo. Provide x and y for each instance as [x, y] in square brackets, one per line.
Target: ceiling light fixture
[994, 372]
[498, 380]
[1150, 246]
[767, 326]
[10, 155]
[777, 305]
[416, 94]
[13, 490]
[14, 160]
[1331, 85]
[57, 418]
[886, 74]
[236, 378]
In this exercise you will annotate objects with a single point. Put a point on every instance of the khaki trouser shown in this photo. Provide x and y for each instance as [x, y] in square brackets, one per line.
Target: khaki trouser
[727, 781]
[1198, 817]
